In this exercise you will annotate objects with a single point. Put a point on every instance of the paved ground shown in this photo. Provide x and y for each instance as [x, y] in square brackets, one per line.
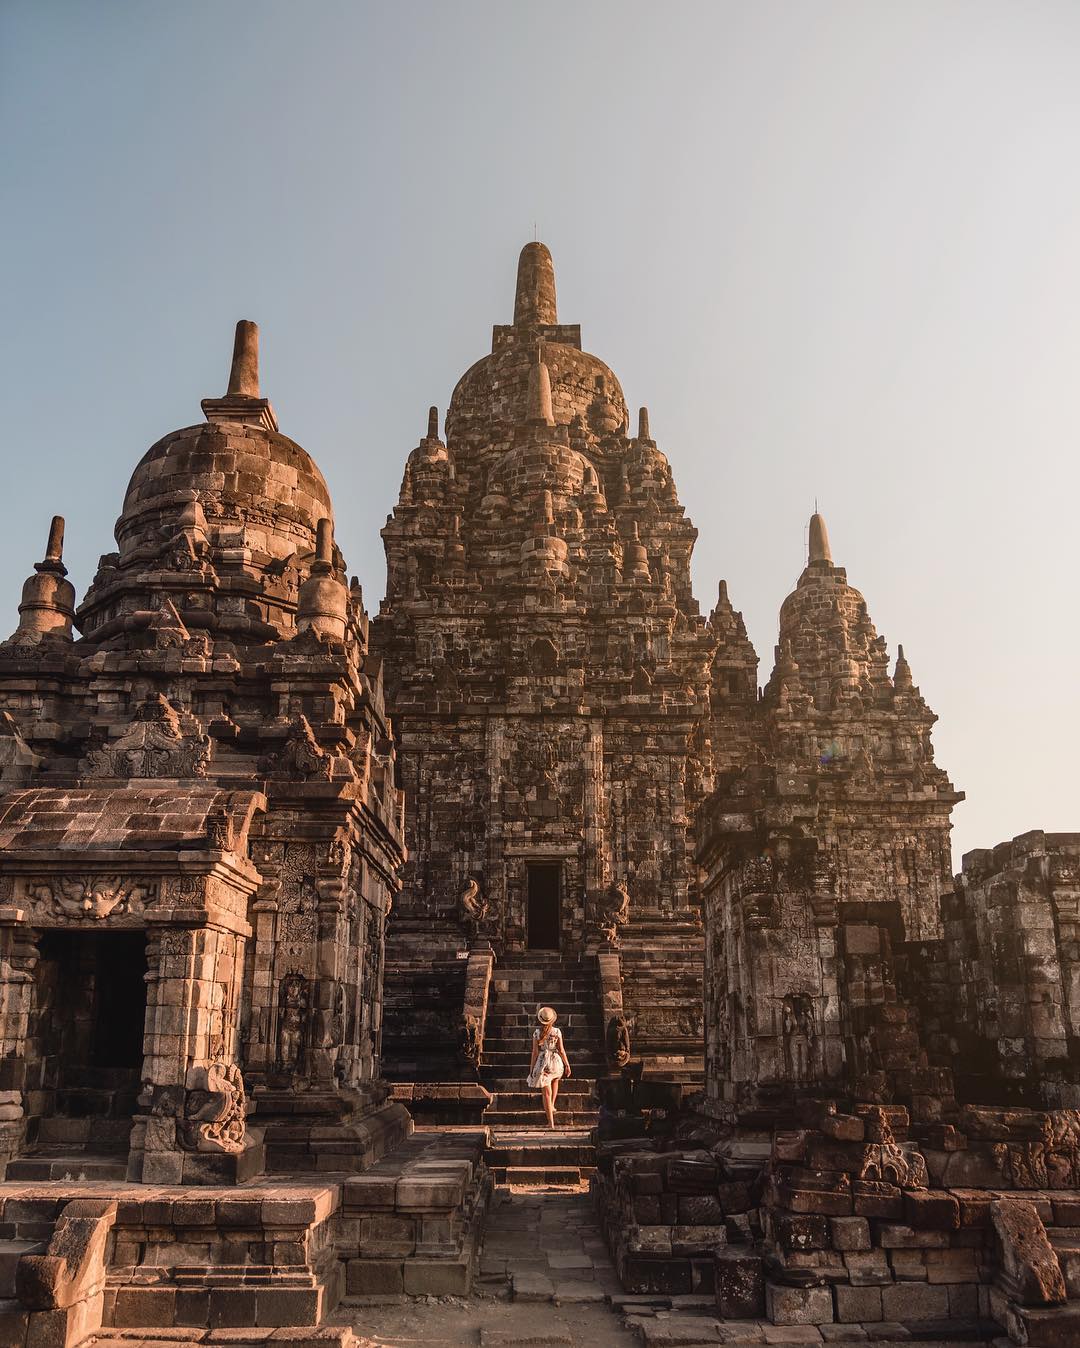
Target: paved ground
[545, 1279]
[542, 1248]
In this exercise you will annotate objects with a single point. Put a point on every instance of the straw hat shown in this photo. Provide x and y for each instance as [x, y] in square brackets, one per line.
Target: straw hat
[546, 1015]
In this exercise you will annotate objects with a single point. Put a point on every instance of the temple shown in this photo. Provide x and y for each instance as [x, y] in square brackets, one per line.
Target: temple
[548, 669]
[280, 890]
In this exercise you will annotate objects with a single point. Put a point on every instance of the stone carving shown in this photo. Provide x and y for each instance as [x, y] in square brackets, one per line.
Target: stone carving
[154, 745]
[616, 911]
[92, 897]
[301, 758]
[474, 904]
[215, 1110]
[293, 1005]
[618, 1040]
[798, 1030]
[469, 1044]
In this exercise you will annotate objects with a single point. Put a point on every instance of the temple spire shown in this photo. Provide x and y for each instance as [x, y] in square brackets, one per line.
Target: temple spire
[538, 402]
[819, 540]
[48, 598]
[243, 401]
[534, 301]
[902, 678]
[433, 423]
[643, 423]
[244, 374]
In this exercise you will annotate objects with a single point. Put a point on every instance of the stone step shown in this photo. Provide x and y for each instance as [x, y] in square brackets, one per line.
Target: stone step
[11, 1251]
[569, 1175]
[72, 1166]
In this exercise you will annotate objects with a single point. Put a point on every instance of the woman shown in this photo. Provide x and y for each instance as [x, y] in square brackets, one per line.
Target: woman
[549, 1062]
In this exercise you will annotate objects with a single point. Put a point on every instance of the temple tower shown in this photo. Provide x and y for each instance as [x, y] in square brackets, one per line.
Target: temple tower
[826, 853]
[546, 667]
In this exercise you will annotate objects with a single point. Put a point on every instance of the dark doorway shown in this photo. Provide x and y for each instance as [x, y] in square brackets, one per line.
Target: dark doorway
[90, 1004]
[542, 918]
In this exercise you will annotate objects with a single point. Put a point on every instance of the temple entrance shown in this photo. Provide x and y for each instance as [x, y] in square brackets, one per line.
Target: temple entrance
[90, 1008]
[543, 905]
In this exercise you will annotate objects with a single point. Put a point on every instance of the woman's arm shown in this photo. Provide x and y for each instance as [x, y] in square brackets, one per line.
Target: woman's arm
[535, 1051]
[562, 1055]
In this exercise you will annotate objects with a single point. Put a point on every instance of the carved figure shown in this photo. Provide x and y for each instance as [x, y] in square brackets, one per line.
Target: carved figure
[616, 911]
[798, 1024]
[469, 1040]
[292, 1022]
[474, 904]
[215, 1111]
[301, 758]
[618, 1040]
[93, 897]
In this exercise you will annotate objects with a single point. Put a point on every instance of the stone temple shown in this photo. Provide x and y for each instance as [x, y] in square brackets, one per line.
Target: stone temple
[281, 887]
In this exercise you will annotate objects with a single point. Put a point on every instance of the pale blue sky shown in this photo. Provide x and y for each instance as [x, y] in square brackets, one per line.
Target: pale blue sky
[835, 247]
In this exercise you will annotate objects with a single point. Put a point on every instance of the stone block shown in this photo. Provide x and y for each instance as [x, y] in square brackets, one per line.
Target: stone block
[532, 1287]
[894, 1236]
[798, 1305]
[855, 1305]
[907, 1301]
[740, 1286]
[1030, 1269]
[374, 1277]
[803, 1231]
[284, 1307]
[439, 1277]
[842, 1333]
[849, 1233]
[867, 1268]
[909, 1265]
[930, 1210]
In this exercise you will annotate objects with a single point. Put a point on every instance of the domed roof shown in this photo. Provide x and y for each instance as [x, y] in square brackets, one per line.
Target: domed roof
[221, 516]
[485, 404]
[235, 469]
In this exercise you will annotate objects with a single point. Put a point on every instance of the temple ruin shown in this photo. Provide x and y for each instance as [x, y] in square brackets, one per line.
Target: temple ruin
[281, 887]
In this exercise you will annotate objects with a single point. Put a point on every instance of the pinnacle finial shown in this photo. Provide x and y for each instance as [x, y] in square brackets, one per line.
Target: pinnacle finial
[324, 543]
[643, 424]
[244, 374]
[54, 551]
[538, 402]
[819, 540]
[902, 677]
[433, 423]
[534, 301]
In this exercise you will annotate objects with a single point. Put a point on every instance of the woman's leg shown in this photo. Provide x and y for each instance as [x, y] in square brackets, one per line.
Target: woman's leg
[545, 1091]
[554, 1091]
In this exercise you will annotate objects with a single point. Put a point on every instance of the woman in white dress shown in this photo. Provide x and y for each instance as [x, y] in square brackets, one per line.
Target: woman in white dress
[549, 1061]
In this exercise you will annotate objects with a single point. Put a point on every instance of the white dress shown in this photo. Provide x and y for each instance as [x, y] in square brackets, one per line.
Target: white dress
[549, 1064]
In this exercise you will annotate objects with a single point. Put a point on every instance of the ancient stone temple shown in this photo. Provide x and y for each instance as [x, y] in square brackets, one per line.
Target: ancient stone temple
[200, 839]
[828, 845]
[280, 892]
[547, 668]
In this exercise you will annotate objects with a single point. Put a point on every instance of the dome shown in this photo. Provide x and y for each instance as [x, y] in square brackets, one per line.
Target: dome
[485, 404]
[243, 474]
[219, 518]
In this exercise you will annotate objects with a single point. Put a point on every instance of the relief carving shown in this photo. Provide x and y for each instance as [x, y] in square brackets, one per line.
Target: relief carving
[154, 745]
[215, 1110]
[92, 897]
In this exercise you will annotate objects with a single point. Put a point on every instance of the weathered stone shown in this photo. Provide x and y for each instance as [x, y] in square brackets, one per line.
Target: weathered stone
[1029, 1267]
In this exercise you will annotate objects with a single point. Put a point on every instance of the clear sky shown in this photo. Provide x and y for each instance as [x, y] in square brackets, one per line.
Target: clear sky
[834, 246]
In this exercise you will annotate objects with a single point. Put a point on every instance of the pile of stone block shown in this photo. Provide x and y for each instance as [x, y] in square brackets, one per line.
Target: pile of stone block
[672, 1219]
[861, 1225]
[411, 1224]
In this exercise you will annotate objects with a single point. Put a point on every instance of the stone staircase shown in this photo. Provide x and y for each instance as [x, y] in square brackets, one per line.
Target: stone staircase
[89, 1148]
[519, 985]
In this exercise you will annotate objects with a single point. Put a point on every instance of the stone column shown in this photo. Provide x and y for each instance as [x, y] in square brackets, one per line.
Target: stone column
[18, 960]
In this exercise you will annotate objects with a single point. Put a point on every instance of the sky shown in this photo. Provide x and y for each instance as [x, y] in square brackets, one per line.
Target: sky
[833, 246]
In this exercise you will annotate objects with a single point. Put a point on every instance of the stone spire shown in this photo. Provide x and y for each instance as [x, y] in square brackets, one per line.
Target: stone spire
[242, 400]
[538, 400]
[902, 677]
[643, 424]
[323, 602]
[433, 423]
[534, 301]
[819, 540]
[48, 599]
[244, 374]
